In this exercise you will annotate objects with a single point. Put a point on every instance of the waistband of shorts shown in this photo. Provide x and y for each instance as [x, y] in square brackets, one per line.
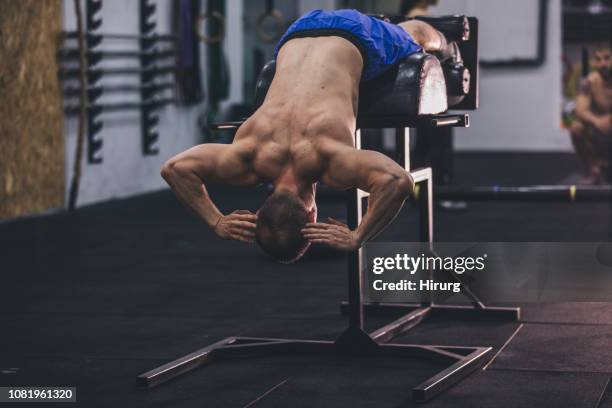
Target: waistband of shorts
[328, 32]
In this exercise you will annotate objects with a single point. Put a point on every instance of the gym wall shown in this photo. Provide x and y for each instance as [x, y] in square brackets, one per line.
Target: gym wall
[125, 171]
[31, 130]
[304, 6]
[519, 107]
[234, 50]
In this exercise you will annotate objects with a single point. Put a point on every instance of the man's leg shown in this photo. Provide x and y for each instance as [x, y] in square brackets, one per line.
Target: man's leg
[579, 140]
[584, 147]
[600, 152]
[426, 36]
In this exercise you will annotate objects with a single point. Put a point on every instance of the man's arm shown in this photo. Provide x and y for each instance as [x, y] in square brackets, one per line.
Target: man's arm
[389, 186]
[584, 111]
[188, 173]
[583, 103]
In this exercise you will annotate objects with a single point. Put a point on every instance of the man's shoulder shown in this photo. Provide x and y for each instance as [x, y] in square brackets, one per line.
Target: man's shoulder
[586, 83]
[594, 78]
[256, 128]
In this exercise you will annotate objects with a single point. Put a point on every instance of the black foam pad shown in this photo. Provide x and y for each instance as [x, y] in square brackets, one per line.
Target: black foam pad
[263, 82]
[414, 87]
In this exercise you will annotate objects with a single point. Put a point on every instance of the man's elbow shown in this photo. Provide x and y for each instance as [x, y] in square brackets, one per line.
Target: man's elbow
[404, 185]
[167, 169]
[398, 186]
[172, 168]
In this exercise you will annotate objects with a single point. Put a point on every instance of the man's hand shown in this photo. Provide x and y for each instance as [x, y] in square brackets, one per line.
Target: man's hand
[335, 234]
[239, 226]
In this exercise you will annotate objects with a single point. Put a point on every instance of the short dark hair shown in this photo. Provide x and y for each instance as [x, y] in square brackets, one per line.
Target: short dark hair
[279, 227]
[602, 45]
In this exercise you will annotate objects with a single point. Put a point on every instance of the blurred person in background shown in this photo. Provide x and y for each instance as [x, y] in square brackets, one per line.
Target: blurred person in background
[415, 8]
[591, 131]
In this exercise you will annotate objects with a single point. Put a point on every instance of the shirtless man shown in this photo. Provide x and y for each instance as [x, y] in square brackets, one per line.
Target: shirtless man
[592, 130]
[303, 133]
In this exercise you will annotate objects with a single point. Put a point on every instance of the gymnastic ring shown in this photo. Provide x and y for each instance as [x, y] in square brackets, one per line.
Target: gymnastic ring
[280, 21]
[215, 38]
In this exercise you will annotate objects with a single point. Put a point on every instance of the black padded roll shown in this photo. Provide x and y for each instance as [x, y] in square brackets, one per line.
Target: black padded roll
[457, 82]
[412, 88]
[263, 82]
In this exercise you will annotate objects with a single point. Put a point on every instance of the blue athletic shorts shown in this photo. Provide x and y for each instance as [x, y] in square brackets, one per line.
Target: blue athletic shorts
[381, 44]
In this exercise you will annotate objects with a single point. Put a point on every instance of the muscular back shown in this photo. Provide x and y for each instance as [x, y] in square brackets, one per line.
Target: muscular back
[309, 111]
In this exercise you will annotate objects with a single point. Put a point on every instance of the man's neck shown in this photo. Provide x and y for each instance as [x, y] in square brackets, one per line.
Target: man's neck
[306, 192]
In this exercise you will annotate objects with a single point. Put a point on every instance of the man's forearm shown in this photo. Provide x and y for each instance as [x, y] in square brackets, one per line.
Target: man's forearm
[583, 105]
[585, 115]
[385, 202]
[192, 192]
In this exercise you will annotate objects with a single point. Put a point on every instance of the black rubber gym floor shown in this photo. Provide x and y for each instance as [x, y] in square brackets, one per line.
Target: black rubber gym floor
[93, 299]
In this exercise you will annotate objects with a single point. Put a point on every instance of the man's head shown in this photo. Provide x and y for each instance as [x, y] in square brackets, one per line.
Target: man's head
[602, 59]
[279, 226]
